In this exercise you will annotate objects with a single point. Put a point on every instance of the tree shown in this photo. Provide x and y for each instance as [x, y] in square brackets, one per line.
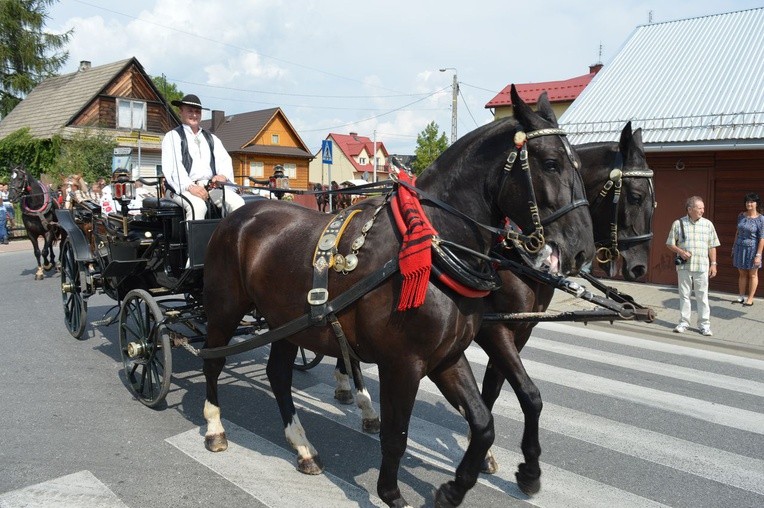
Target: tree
[429, 146]
[87, 153]
[36, 155]
[168, 90]
[28, 55]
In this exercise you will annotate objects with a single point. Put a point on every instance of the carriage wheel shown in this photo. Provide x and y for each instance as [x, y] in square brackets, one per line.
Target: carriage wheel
[145, 346]
[75, 305]
[307, 359]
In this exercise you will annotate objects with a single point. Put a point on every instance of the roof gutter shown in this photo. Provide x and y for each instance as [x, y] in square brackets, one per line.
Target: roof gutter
[756, 144]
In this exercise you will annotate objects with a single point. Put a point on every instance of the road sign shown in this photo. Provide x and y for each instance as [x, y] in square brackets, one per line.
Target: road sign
[326, 151]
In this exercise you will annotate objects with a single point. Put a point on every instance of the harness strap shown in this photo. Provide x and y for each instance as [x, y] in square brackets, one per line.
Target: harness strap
[303, 322]
[323, 259]
[345, 348]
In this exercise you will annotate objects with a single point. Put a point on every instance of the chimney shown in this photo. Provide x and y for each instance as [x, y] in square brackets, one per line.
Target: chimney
[218, 117]
[84, 65]
[594, 69]
[354, 134]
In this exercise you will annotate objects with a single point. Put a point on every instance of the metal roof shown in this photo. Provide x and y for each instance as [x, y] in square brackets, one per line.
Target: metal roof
[693, 82]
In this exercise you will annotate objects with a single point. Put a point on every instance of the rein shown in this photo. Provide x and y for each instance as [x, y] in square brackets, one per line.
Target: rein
[610, 252]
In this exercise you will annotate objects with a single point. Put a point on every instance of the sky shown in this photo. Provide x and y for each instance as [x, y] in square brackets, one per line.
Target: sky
[338, 66]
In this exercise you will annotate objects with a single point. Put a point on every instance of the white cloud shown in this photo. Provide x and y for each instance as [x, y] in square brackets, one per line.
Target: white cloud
[337, 65]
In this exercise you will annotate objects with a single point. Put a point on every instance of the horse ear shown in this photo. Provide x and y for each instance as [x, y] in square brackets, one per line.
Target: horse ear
[626, 136]
[522, 112]
[544, 108]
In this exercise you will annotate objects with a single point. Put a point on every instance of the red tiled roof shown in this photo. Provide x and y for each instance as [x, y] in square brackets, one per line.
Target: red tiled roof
[557, 91]
[352, 145]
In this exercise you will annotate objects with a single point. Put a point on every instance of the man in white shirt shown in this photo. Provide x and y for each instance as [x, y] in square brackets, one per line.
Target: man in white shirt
[193, 159]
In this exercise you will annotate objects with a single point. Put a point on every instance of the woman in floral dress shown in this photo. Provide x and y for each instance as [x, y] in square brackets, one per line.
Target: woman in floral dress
[747, 248]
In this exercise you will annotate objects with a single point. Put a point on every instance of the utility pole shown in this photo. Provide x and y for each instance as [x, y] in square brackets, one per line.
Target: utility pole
[454, 96]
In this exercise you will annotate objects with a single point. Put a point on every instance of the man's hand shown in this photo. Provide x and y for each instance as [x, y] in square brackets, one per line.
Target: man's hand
[198, 191]
[712, 272]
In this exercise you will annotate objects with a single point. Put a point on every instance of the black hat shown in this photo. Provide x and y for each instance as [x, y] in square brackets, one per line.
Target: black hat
[189, 100]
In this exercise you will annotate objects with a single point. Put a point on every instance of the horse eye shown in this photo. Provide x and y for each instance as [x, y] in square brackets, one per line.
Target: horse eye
[551, 165]
[635, 199]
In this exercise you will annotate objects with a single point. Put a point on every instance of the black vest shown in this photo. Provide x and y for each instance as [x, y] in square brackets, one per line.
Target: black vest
[186, 155]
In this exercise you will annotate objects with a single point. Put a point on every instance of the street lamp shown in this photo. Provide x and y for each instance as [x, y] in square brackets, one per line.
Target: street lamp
[454, 93]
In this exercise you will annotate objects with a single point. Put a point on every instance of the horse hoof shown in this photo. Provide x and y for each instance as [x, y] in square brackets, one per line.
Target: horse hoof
[371, 425]
[39, 277]
[447, 497]
[490, 466]
[311, 466]
[529, 483]
[216, 442]
[47, 267]
[343, 396]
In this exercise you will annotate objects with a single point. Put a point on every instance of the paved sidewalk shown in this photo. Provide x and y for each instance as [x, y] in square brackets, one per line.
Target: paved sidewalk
[737, 329]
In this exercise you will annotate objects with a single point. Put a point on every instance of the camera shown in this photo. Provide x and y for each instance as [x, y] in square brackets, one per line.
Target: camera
[679, 260]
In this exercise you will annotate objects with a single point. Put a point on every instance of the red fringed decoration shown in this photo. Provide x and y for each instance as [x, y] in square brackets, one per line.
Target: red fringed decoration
[415, 257]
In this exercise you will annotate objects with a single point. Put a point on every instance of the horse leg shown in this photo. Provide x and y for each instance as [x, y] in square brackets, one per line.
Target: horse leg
[39, 274]
[221, 325]
[457, 383]
[397, 393]
[342, 390]
[279, 371]
[505, 363]
[47, 252]
[370, 418]
[214, 439]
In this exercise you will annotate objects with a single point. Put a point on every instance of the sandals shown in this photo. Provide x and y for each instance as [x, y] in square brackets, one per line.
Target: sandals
[748, 304]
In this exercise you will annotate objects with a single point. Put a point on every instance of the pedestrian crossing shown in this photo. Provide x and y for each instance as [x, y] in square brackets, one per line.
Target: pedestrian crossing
[626, 422]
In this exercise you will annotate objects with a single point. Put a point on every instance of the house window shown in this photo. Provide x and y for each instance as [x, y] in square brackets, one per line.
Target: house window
[256, 169]
[131, 114]
[361, 160]
[274, 139]
[290, 170]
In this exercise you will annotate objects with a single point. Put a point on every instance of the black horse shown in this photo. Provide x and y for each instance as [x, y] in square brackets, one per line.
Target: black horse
[38, 206]
[608, 169]
[267, 245]
[622, 200]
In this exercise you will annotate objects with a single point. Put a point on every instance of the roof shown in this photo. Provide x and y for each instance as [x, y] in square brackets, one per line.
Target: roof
[238, 132]
[70, 93]
[352, 145]
[688, 82]
[557, 91]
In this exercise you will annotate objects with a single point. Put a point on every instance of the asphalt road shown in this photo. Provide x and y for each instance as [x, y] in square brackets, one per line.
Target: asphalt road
[626, 422]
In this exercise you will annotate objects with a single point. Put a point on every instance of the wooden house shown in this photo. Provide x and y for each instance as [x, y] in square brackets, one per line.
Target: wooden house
[118, 99]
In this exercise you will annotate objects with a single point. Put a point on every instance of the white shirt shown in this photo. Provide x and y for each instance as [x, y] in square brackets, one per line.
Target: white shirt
[172, 159]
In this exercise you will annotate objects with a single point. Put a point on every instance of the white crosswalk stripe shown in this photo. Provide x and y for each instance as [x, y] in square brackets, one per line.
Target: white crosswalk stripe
[81, 490]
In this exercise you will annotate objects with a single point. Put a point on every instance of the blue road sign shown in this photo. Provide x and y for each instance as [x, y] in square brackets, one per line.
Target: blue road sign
[326, 151]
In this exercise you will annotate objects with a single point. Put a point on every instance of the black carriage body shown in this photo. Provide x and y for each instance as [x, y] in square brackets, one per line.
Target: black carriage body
[120, 252]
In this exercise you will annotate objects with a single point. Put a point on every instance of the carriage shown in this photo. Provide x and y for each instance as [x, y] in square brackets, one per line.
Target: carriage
[150, 261]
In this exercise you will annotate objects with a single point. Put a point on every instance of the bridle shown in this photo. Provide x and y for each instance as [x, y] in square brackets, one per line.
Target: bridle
[535, 241]
[610, 251]
[22, 190]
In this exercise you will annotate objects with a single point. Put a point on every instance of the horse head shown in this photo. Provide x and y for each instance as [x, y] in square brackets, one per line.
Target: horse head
[635, 213]
[521, 168]
[619, 186]
[18, 184]
[553, 182]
